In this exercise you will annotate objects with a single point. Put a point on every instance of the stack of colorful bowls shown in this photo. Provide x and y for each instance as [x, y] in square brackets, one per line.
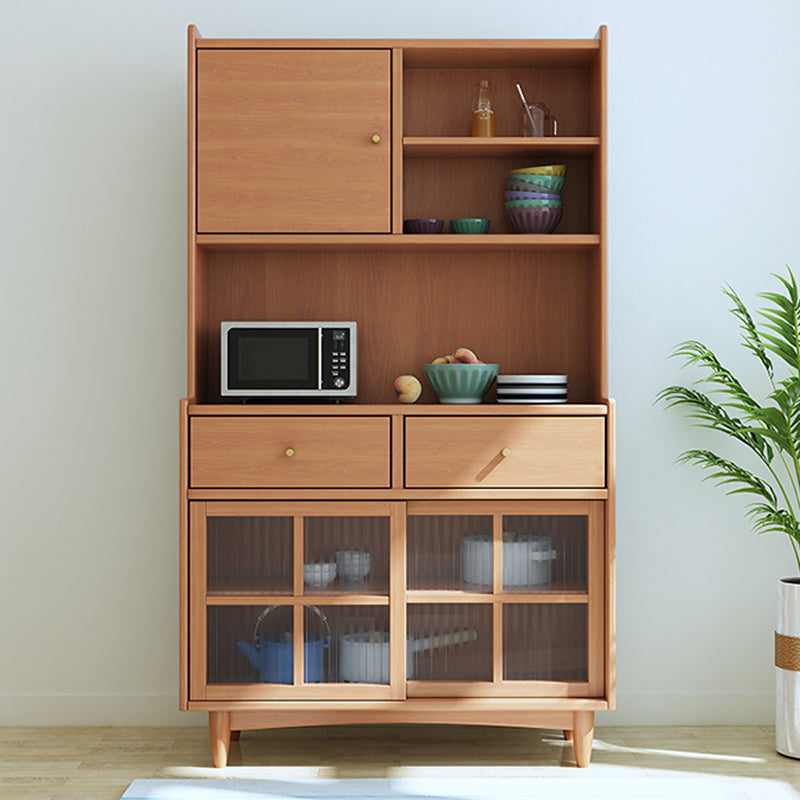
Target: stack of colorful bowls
[533, 198]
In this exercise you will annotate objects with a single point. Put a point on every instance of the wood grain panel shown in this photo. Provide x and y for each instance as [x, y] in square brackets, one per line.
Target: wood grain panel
[284, 140]
[597, 600]
[566, 91]
[611, 561]
[184, 549]
[468, 452]
[197, 627]
[527, 311]
[451, 188]
[330, 452]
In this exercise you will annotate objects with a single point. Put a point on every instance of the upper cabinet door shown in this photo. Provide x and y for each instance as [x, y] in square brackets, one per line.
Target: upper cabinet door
[293, 141]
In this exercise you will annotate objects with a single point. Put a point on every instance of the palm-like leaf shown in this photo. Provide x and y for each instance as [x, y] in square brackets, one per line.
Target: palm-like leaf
[770, 429]
[767, 519]
[782, 318]
[751, 338]
[729, 474]
[710, 414]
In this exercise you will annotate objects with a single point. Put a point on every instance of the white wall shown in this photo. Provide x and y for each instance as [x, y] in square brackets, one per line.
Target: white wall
[704, 113]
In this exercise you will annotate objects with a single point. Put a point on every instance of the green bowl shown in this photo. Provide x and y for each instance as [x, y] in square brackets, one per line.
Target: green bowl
[460, 383]
[552, 183]
[470, 225]
[534, 204]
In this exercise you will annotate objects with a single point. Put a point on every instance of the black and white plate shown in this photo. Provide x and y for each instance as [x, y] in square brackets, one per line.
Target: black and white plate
[531, 400]
[531, 388]
[530, 380]
[532, 396]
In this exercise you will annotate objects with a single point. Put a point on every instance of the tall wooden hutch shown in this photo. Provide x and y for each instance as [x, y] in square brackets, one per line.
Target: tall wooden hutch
[305, 156]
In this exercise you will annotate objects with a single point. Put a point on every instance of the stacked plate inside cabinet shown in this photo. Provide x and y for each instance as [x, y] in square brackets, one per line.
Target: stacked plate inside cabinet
[533, 198]
[531, 388]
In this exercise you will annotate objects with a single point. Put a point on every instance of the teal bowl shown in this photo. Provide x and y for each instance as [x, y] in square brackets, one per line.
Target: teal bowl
[460, 383]
[469, 225]
[534, 204]
[550, 183]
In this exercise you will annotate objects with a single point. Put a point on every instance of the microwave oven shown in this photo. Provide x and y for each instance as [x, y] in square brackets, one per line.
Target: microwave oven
[288, 359]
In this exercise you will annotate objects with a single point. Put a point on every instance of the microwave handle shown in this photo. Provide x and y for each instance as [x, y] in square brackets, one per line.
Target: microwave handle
[319, 357]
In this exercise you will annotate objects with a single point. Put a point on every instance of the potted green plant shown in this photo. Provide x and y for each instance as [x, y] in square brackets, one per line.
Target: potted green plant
[769, 431]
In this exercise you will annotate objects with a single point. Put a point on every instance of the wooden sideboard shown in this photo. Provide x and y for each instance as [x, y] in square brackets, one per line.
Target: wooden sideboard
[474, 544]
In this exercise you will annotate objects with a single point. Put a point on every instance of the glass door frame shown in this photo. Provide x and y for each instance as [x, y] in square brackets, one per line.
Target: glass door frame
[200, 600]
[593, 597]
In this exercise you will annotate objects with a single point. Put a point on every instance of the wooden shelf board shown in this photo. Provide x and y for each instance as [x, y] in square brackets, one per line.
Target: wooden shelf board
[428, 705]
[332, 599]
[375, 241]
[492, 147]
[400, 494]
[544, 596]
[396, 409]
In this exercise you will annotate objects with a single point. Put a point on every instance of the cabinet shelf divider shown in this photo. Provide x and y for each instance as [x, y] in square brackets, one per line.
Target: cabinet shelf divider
[494, 146]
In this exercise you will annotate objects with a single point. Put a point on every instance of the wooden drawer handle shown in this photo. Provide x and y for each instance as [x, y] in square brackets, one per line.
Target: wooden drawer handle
[289, 452]
[505, 452]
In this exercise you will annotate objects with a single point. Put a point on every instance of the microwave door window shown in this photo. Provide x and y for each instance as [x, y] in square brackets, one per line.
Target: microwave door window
[273, 359]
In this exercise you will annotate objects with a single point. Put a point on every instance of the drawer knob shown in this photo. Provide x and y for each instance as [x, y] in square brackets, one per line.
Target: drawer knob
[505, 452]
[289, 452]
[376, 138]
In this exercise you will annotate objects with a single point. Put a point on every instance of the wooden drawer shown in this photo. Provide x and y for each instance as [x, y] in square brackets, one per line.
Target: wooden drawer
[284, 452]
[540, 452]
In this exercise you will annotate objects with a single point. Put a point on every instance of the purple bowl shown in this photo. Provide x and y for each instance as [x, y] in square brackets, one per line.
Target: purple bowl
[533, 220]
[533, 195]
[423, 225]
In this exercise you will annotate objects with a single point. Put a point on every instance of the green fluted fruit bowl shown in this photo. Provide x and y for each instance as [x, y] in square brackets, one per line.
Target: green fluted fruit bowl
[460, 383]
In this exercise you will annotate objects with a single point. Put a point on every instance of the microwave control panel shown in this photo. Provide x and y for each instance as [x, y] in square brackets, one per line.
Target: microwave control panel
[336, 358]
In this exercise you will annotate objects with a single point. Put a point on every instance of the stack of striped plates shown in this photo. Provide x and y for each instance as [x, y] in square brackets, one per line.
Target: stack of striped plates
[531, 388]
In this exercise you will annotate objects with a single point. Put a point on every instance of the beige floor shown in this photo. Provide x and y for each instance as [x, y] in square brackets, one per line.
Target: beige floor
[734, 763]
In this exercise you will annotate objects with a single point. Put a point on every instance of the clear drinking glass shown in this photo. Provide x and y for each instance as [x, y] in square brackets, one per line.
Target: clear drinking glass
[536, 120]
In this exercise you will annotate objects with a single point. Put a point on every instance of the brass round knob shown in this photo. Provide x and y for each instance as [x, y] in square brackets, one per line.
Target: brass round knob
[376, 138]
[505, 452]
[289, 452]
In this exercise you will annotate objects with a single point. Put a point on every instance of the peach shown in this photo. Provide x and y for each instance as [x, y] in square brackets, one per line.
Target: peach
[440, 360]
[407, 388]
[466, 356]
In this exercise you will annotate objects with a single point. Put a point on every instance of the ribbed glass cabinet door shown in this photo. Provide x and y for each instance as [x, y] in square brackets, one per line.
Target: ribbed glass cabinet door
[503, 597]
[292, 600]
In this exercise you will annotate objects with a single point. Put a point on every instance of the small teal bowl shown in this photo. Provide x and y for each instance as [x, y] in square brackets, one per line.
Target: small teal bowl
[460, 383]
[469, 225]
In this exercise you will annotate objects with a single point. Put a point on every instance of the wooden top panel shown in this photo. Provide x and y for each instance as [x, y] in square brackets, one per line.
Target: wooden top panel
[378, 409]
[441, 52]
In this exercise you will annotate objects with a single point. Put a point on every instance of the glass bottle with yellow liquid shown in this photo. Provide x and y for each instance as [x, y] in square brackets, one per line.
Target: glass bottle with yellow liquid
[483, 110]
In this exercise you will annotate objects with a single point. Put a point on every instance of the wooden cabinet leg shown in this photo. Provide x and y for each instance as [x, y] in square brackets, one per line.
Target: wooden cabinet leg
[583, 734]
[567, 734]
[219, 728]
[235, 736]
